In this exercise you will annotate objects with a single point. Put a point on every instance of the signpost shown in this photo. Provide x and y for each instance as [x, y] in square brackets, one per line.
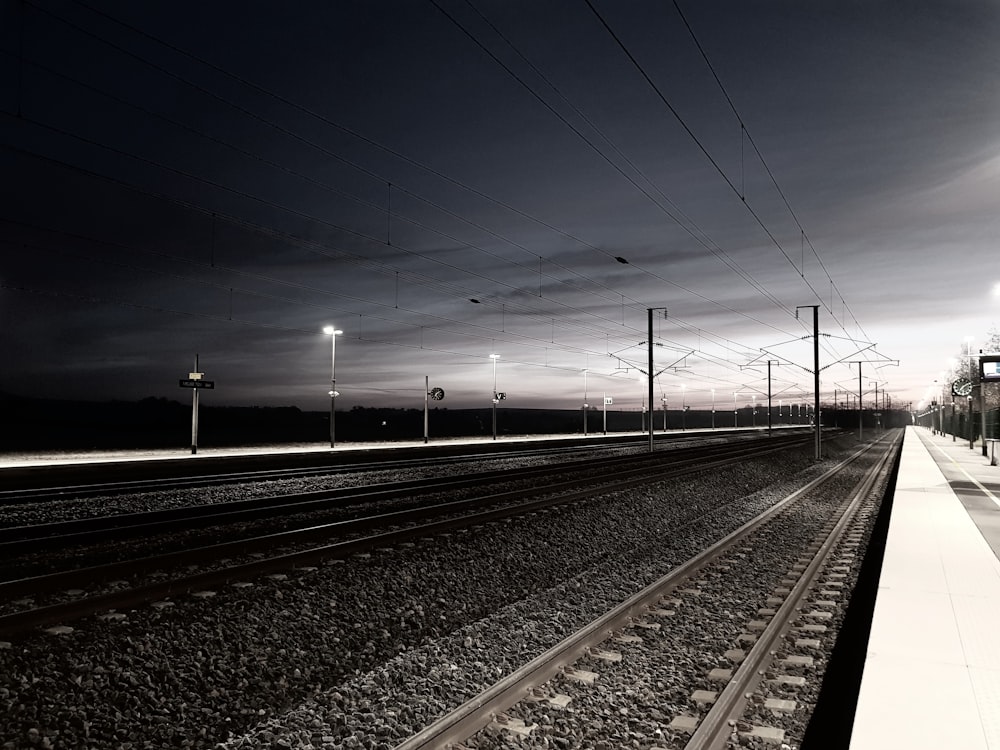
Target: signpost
[435, 394]
[195, 382]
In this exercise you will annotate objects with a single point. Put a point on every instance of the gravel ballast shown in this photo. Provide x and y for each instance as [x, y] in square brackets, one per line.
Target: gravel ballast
[327, 657]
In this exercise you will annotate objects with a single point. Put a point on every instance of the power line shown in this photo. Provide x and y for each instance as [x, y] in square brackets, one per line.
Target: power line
[767, 168]
[269, 203]
[305, 215]
[382, 147]
[516, 337]
[721, 256]
[673, 111]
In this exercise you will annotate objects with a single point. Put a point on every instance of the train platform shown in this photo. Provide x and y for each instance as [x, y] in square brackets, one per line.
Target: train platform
[932, 671]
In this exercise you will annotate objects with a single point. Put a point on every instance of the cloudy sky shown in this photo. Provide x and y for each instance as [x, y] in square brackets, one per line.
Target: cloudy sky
[446, 179]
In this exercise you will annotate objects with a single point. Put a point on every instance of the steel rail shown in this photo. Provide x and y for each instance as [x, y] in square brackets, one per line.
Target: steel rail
[478, 712]
[41, 494]
[715, 728]
[37, 479]
[16, 540]
[17, 622]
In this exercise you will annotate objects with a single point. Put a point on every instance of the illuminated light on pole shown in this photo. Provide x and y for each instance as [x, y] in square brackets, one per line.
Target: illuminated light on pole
[585, 404]
[713, 408]
[736, 417]
[333, 333]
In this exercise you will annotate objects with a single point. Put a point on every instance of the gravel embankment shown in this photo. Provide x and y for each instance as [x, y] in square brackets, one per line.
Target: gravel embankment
[326, 658]
[52, 511]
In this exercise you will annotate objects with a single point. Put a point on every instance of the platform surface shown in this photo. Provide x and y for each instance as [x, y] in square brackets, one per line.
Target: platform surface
[932, 672]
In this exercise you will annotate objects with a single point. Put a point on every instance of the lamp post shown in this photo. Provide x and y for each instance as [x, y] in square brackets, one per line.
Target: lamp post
[736, 414]
[495, 357]
[753, 408]
[713, 408]
[333, 333]
[585, 404]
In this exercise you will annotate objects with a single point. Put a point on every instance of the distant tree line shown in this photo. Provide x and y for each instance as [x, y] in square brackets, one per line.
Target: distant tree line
[40, 424]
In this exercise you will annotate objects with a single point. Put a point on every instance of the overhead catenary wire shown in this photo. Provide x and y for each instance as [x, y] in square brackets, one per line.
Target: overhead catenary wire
[720, 254]
[216, 215]
[326, 120]
[767, 168]
[243, 110]
[397, 271]
[646, 193]
[518, 338]
[677, 116]
[688, 225]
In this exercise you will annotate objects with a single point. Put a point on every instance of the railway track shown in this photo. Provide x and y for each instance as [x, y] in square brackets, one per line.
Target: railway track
[239, 560]
[61, 535]
[727, 709]
[36, 483]
[400, 466]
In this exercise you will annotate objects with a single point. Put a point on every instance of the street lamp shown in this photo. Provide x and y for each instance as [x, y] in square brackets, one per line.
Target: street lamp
[333, 333]
[495, 357]
[585, 404]
[736, 414]
[713, 408]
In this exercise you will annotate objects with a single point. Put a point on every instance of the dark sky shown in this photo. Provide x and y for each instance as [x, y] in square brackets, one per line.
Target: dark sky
[227, 178]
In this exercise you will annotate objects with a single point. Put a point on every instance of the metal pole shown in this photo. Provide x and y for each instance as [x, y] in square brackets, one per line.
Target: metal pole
[585, 403]
[736, 414]
[605, 412]
[194, 412]
[982, 413]
[877, 425]
[494, 358]
[816, 415]
[713, 408]
[649, 390]
[333, 390]
[769, 397]
[861, 407]
[971, 441]
[426, 399]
